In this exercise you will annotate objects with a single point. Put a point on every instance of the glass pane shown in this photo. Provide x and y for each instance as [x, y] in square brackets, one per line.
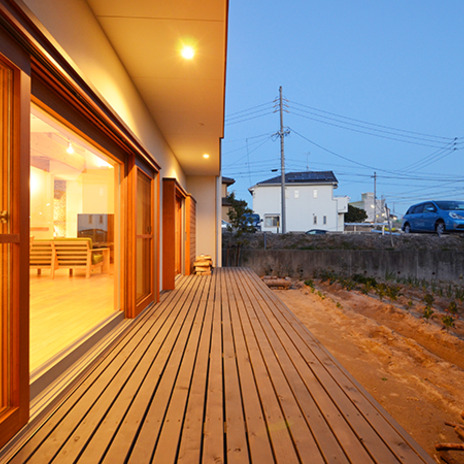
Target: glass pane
[5, 256]
[143, 239]
[178, 243]
[6, 79]
[143, 287]
[74, 256]
[143, 204]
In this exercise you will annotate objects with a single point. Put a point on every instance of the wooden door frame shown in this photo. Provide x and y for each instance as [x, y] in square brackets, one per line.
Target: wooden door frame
[179, 234]
[190, 231]
[171, 191]
[133, 307]
[17, 414]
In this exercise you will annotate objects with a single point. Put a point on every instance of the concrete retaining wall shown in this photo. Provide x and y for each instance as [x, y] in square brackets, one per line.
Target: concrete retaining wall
[427, 265]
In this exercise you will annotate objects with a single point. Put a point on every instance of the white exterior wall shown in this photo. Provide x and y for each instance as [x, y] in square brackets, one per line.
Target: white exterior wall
[266, 200]
[342, 208]
[304, 204]
[368, 205]
[96, 60]
[202, 188]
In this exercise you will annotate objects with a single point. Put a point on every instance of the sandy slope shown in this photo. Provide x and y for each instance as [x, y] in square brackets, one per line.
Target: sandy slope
[411, 366]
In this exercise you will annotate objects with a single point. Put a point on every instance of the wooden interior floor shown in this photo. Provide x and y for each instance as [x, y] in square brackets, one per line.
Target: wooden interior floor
[65, 308]
[219, 371]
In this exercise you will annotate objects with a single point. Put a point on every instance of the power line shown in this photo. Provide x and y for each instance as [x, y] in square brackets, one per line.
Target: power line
[231, 115]
[372, 124]
[368, 131]
[432, 157]
[249, 118]
[251, 151]
[444, 147]
[332, 152]
[407, 175]
[250, 137]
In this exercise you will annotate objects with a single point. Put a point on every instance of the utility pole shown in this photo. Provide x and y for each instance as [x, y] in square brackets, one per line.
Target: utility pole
[282, 164]
[375, 197]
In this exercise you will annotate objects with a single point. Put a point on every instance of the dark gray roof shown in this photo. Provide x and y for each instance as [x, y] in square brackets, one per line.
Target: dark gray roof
[228, 180]
[304, 177]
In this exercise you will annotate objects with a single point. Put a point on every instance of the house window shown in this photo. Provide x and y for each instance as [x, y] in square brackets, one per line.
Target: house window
[296, 194]
[315, 193]
[74, 253]
[271, 220]
[324, 220]
[315, 219]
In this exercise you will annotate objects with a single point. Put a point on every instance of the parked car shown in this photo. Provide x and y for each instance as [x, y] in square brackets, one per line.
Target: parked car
[316, 232]
[435, 216]
[254, 220]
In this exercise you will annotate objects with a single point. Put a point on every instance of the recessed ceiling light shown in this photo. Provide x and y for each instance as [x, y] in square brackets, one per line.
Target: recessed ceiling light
[206, 155]
[187, 52]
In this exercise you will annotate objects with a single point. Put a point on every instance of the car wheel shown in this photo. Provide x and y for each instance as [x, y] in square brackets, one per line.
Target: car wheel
[407, 228]
[440, 228]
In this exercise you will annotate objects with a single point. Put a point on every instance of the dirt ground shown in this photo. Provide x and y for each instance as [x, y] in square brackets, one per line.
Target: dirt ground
[411, 365]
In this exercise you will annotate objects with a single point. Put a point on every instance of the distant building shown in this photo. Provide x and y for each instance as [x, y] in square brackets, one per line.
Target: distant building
[226, 183]
[310, 202]
[375, 210]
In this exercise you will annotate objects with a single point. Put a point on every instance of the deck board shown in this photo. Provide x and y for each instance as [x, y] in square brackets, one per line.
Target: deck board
[219, 371]
[192, 432]
[373, 419]
[236, 432]
[257, 433]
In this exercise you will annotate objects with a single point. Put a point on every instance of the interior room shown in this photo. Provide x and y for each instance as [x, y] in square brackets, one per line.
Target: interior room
[74, 239]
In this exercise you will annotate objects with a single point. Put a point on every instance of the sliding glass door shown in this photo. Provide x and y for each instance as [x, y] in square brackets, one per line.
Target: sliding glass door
[74, 240]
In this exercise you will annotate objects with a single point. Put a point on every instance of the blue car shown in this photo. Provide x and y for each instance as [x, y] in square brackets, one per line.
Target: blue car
[253, 220]
[435, 216]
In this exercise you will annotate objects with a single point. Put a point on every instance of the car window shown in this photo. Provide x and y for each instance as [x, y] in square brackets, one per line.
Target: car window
[451, 205]
[418, 209]
[430, 208]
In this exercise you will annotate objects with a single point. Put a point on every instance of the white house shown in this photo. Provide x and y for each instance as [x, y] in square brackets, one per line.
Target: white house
[225, 205]
[375, 209]
[310, 202]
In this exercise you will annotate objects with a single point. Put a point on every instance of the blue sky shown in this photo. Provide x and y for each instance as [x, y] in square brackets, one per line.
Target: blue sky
[370, 86]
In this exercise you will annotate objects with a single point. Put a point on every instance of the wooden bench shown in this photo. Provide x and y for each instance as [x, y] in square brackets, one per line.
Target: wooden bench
[42, 256]
[77, 253]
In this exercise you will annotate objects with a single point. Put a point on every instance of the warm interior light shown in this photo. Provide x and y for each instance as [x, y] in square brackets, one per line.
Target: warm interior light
[205, 155]
[101, 163]
[187, 52]
[70, 149]
[35, 181]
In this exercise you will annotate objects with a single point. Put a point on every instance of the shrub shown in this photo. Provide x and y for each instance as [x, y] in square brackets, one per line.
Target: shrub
[448, 321]
[428, 312]
[309, 283]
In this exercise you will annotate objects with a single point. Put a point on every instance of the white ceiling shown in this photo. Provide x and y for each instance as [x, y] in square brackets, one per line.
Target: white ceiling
[186, 98]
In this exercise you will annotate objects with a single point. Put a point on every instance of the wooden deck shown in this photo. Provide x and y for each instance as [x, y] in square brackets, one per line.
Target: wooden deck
[219, 371]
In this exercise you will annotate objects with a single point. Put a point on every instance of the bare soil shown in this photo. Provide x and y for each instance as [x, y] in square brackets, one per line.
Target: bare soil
[411, 365]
